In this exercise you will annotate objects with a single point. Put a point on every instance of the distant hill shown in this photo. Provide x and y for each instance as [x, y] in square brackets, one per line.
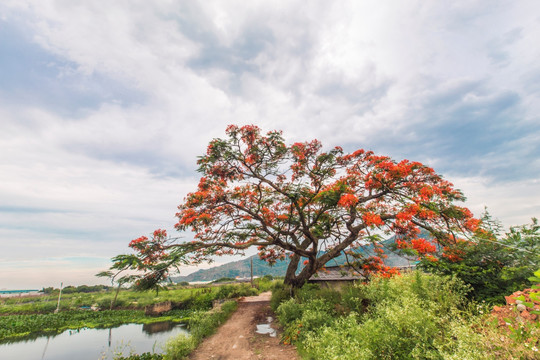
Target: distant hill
[241, 268]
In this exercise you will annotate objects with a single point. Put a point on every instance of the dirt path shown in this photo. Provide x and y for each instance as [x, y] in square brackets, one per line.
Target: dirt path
[237, 340]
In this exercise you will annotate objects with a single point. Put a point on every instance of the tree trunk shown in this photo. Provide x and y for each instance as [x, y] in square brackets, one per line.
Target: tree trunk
[297, 281]
[291, 269]
[113, 301]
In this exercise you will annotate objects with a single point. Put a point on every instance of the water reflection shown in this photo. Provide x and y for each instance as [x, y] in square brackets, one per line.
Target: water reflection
[92, 344]
[266, 328]
[158, 327]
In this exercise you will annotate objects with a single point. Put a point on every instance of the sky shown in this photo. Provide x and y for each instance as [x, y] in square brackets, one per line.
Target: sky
[105, 106]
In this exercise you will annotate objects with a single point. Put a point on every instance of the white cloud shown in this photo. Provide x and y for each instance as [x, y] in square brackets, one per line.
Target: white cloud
[409, 79]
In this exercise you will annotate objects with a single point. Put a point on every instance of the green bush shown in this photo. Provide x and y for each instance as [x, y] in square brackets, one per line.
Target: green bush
[279, 295]
[494, 265]
[313, 291]
[143, 356]
[414, 316]
[354, 299]
[180, 347]
[267, 283]
[202, 301]
[234, 291]
[288, 311]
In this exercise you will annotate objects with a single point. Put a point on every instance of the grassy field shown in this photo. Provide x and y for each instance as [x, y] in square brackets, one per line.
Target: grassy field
[22, 317]
[198, 297]
[13, 327]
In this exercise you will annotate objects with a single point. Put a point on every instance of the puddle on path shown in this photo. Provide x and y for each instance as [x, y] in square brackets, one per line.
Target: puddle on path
[266, 328]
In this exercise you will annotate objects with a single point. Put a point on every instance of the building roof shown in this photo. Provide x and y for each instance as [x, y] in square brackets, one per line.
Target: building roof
[336, 273]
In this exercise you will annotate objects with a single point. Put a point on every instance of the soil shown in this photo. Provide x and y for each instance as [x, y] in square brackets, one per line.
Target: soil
[237, 340]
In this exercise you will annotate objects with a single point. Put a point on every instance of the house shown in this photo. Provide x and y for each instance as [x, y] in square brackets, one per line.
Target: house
[335, 277]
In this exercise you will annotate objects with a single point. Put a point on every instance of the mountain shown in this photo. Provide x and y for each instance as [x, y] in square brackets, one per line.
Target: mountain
[241, 268]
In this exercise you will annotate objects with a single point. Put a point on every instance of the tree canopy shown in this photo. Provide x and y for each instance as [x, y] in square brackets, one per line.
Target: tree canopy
[302, 202]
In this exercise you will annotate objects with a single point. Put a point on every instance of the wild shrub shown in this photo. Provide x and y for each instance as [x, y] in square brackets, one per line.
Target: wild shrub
[414, 316]
[143, 356]
[313, 291]
[494, 265]
[289, 311]
[354, 299]
[279, 294]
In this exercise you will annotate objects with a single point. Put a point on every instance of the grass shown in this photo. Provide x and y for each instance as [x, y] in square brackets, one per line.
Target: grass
[13, 327]
[126, 299]
[30, 316]
[129, 299]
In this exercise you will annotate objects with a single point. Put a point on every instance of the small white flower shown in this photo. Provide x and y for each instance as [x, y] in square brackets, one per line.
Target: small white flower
[534, 348]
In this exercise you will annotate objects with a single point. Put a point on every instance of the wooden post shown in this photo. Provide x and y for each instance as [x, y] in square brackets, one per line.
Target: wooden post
[59, 296]
[251, 261]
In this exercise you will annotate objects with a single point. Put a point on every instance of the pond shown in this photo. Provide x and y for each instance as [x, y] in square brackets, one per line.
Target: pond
[93, 344]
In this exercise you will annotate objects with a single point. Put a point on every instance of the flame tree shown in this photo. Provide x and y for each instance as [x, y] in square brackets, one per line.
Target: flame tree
[301, 202]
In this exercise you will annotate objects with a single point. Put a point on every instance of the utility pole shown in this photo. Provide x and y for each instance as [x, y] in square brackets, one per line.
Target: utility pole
[251, 261]
[59, 296]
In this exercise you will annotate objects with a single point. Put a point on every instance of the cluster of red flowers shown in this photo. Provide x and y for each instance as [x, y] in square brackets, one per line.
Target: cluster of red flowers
[372, 219]
[151, 251]
[347, 200]
[422, 246]
[233, 202]
[377, 248]
[138, 242]
[376, 265]
[160, 234]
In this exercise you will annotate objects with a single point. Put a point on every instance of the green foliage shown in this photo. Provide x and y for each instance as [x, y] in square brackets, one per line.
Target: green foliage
[311, 291]
[35, 313]
[494, 266]
[127, 299]
[289, 311]
[234, 291]
[180, 347]
[84, 289]
[17, 326]
[264, 284]
[143, 356]
[280, 293]
[414, 316]
[354, 299]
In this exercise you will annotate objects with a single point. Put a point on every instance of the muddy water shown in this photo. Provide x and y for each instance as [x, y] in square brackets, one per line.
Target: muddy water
[93, 344]
[266, 328]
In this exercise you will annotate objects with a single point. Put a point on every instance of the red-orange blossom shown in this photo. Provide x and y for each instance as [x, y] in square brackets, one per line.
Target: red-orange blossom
[256, 190]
